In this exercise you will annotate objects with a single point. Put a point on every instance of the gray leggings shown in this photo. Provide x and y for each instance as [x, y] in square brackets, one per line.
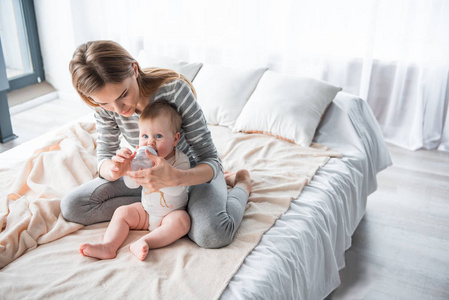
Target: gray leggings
[215, 214]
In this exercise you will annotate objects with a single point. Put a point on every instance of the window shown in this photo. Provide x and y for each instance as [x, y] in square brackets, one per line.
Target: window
[20, 56]
[20, 43]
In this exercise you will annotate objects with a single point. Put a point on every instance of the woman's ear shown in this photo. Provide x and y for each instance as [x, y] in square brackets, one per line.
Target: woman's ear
[136, 69]
[177, 137]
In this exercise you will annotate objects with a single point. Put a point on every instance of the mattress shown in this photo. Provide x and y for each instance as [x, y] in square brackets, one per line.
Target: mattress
[300, 256]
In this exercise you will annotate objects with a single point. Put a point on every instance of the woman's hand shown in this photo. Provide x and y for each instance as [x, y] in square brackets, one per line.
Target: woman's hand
[118, 165]
[161, 175]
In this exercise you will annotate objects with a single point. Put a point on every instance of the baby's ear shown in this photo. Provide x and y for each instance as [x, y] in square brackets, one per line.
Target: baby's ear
[177, 137]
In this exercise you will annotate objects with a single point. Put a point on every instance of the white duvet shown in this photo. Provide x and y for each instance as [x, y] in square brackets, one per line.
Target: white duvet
[300, 256]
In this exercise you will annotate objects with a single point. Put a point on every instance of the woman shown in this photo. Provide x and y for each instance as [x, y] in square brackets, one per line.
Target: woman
[108, 79]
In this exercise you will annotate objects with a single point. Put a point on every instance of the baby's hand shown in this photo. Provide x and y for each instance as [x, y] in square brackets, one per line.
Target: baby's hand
[161, 175]
[121, 162]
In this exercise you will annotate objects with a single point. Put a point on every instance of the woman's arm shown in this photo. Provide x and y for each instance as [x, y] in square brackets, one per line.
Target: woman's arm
[162, 174]
[113, 162]
[199, 174]
[108, 141]
[190, 176]
[196, 133]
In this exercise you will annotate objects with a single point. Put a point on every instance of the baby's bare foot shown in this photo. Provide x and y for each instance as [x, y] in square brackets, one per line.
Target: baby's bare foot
[100, 251]
[240, 178]
[140, 249]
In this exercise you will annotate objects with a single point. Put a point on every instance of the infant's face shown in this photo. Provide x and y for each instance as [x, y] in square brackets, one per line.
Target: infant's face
[159, 135]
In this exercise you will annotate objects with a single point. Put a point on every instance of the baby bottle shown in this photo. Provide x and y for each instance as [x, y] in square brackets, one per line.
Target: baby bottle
[140, 161]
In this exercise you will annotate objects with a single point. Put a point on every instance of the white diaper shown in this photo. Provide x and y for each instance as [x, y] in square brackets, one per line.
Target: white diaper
[154, 222]
[160, 204]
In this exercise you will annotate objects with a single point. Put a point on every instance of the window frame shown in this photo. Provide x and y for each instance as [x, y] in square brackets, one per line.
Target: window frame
[37, 75]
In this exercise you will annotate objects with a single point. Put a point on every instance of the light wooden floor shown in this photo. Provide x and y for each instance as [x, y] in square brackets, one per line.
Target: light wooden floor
[33, 122]
[400, 249]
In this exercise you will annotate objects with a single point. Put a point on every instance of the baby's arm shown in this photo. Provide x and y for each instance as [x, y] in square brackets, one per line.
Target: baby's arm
[118, 165]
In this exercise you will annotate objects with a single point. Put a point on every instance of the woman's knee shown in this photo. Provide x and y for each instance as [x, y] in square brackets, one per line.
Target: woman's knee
[76, 204]
[213, 225]
[71, 209]
[211, 233]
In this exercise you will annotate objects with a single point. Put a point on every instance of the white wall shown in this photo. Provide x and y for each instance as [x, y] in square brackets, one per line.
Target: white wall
[57, 41]
[234, 33]
[65, 24]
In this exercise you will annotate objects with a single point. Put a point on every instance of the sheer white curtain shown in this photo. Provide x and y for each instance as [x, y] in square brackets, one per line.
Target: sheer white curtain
[409, 87]
[394, 54]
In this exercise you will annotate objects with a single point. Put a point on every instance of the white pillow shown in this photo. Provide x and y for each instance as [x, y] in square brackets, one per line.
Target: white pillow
[287, 107]
[223, 91]
[189, 70]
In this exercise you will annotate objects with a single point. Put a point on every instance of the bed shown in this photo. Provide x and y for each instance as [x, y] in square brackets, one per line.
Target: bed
[299, 246]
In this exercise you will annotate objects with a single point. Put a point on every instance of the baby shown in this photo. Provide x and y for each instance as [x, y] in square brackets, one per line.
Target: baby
[162, 212]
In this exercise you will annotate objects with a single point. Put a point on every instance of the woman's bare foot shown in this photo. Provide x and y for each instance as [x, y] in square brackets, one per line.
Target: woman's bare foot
[140, 249]
[240, 178]
[100, 251]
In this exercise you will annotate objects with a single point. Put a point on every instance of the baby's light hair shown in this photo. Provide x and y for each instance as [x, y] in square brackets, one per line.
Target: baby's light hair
[162, 108]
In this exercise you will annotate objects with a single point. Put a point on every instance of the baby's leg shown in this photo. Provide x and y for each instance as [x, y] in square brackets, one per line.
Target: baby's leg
[127, 217]
[173, 227]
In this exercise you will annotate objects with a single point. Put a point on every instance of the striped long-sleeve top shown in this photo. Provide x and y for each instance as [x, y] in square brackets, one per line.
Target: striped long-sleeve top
[195, 141]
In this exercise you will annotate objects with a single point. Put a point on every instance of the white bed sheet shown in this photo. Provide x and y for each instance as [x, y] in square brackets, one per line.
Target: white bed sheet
[300, 256]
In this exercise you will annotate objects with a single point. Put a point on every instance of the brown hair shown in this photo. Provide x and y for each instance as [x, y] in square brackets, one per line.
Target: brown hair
[97, 63]
[162, 108]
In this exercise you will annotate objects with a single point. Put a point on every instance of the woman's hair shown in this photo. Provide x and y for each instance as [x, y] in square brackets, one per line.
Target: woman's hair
[97, 63]
[162, 108]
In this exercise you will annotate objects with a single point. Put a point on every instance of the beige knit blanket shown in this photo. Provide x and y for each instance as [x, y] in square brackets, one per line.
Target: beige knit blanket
[39, 249]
